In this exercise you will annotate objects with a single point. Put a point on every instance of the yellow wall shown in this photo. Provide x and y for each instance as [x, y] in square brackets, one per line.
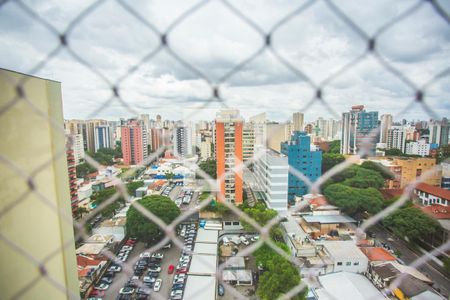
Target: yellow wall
[29, 141]
[411, 166]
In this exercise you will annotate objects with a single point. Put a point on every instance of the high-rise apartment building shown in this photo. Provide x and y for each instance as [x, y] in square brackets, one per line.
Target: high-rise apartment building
[297, 121]
[228, 135]
[385, 125]
[420, 147]
[134, 142]
[276, 133]
[439, 132]
[103, 137]
[359, 131]
[76, 141]
[271, 172]
[248, 141]
[71, 168]
[90, 132]
[303, 159]
[35, 226]
[182, 141]
[156, 137]
[205, 149]
[259, 126]
[396, 138]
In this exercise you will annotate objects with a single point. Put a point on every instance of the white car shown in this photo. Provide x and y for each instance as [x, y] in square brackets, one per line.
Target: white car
[144, 254]
[114, 269]
[158, 255]
[255, 238]
[126, 248]
[102, 286]
[157, 285]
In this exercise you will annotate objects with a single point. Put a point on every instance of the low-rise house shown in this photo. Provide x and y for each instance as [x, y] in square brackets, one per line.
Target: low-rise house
[377, 254]
[331, 225]
[234, 271]
[442, 215]
[299, 243]
[430, 195]
[345, 256]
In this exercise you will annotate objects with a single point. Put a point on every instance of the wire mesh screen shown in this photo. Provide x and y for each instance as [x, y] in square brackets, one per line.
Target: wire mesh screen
[108, 81]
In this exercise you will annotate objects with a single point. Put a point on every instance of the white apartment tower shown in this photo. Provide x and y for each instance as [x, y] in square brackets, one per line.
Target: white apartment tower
[271, 172]
[396, 138]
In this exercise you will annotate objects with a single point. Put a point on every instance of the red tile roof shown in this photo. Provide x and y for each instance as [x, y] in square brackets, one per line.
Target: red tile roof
[83, 261]
[434, 190]
[437, 211]
[377, 254]
[318, 201]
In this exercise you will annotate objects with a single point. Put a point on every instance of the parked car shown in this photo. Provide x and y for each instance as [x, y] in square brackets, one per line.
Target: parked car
[221, 290]
[149, 279]
[126, 291]
[106, 279]
[102, 286]
[144, 254]
[97, 293]
[143, 290]
[181, 271]
[178, 280]
[155, 269]
[255, 238]
[178, 286]
[114, 268]
[158, 255]
[168, 245]
[125, 248]
[157, 285]
[170, 269]
[182, 265]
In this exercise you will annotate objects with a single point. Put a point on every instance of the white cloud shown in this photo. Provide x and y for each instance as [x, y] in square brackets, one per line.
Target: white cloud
[214, 40]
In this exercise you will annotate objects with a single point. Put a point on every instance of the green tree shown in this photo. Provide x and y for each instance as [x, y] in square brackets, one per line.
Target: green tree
[335, 147]
[118, 150]
[103, 156]
[412, 223]
[279, 277]
[329, 160]
[393, 152]
[144, 229]
[443, 153]
[354, 201]
[377, 167]
[133, 186]
[169, 176]
[446, 262]
[84, 169]
[209, 167]
[262, 216]
[102, 196]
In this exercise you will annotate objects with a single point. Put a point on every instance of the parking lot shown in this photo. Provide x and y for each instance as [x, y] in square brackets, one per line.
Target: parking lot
[171, 256]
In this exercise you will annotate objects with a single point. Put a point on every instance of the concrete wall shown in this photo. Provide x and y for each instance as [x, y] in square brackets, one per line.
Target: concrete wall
[30, 141]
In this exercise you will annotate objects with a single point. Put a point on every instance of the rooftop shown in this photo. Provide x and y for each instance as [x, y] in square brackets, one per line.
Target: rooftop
[200, 288]
[207, 236]
[377, 254]
[342, 249]
[92, 248]
[344, 286]
[203, 248]
[437, 211]
[434, 190]
[329, 219]
[203, 265]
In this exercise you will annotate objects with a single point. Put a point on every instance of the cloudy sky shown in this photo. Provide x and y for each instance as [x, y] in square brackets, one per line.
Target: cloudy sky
[212, 40]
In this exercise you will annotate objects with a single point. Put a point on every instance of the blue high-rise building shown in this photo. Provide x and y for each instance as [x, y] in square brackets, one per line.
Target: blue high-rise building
[301, 158]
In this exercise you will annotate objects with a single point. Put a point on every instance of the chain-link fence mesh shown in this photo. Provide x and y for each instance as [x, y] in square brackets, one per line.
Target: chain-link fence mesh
[161, 41]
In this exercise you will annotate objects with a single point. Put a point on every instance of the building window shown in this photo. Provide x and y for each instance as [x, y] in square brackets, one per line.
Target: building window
[356, 263]
[348, 263]
[339, 263]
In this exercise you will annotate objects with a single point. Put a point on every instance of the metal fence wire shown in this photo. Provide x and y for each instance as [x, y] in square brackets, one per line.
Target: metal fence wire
[165, 39]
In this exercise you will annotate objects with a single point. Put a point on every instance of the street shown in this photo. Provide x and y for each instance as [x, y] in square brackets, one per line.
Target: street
[441, 282]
